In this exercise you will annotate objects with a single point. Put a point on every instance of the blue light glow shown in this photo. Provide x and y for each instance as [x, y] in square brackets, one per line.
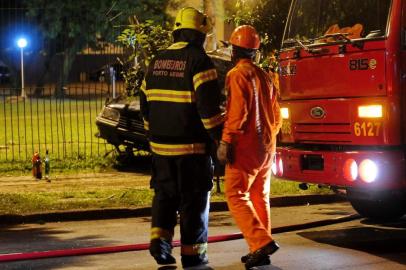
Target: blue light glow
[22, 43]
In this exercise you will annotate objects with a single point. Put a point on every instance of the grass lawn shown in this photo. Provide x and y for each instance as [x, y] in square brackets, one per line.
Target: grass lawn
[24, 194]
[66, 127]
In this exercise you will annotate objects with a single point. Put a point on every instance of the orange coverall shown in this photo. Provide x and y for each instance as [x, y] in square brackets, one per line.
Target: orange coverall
[252, 122]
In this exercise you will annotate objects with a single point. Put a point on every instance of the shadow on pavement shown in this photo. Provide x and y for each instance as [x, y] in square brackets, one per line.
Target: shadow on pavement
[263, 267]
[200, 267]
[21, 239]
[401, 224]
[167, 267]
[331, 211]
[385, 240]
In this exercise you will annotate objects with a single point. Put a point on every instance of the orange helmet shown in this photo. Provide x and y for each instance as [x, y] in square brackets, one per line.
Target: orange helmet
[245, 36]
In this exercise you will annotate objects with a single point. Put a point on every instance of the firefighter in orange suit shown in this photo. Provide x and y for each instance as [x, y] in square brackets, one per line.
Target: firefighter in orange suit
[248, 144]
[180, 105]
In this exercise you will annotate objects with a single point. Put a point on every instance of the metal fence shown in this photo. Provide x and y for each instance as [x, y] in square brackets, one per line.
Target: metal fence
[62, 124]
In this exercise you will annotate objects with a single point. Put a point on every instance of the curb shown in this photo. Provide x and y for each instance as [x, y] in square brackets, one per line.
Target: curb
[99, 214]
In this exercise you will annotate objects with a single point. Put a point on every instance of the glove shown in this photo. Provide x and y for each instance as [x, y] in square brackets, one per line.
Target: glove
[225, 153]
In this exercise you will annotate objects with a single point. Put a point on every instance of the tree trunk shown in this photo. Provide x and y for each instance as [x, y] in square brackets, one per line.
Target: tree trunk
[211, 8]
[40, 83]
[63, 80]
[15, 80]
[15, 70]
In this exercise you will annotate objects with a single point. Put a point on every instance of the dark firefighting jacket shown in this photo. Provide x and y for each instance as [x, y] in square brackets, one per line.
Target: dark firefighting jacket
[180, 101]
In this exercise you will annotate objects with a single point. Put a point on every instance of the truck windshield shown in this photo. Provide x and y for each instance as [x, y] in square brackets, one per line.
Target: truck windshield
[321, 21]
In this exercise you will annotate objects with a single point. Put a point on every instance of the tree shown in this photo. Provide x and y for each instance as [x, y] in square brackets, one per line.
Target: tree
[144, 40]
[11, 23]
[71, 26]
[267, 16]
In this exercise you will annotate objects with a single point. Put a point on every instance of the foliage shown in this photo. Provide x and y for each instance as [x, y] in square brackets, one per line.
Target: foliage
[91, 21]
[71, 26]
[144, 40]
[267, 16]
[313, 18]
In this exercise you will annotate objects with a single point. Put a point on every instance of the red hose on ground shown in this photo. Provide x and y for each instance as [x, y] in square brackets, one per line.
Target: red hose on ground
[136, 247]
[98, 250]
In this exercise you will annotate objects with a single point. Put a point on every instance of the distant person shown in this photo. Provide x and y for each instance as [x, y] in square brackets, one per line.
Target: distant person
[180, 105]
[248, 145]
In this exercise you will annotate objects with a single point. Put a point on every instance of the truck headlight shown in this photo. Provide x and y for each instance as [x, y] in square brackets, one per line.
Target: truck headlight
[368, 171]
[285, 113]
[273, 168]
[110, 113]
[370, 111]
[277, 166]
[280, 167]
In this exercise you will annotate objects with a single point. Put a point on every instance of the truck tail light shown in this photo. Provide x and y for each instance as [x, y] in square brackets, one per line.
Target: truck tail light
[350, 170]
[368, 171]
[285, 113]
[370, 111]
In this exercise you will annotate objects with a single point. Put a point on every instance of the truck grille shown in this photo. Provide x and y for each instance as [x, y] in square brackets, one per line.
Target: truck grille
[323, 132]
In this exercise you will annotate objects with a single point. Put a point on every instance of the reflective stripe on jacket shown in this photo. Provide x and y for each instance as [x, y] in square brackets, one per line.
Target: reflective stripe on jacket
[180, 101]
[251, 102]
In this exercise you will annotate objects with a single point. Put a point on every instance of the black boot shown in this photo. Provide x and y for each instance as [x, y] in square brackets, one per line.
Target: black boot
[257, 257]
[161, 251]
[266, 261]
[194, 260]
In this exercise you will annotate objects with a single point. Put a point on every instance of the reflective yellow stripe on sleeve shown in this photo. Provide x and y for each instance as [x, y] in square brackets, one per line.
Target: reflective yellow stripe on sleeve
[203, 77]
[213, 121]
[178, 45]
[170, 95]
[146, 125]
[143, 86]
[157, 233]
[195, 249]
[178, 149]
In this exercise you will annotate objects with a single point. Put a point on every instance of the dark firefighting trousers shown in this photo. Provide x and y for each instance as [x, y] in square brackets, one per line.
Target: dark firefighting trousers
[182, 185]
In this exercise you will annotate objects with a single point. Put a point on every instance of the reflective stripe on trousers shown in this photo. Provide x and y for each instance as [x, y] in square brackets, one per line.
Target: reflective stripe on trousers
[182, 185]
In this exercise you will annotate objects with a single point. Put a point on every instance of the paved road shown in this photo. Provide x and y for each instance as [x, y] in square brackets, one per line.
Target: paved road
[351, 245]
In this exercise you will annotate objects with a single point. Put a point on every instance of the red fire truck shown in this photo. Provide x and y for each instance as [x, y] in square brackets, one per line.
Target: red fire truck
[343, 101]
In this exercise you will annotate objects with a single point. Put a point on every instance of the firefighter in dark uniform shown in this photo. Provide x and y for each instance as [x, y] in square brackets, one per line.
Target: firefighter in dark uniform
[180, 104]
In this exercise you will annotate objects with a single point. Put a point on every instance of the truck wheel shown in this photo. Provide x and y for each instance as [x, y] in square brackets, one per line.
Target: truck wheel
[378, 207]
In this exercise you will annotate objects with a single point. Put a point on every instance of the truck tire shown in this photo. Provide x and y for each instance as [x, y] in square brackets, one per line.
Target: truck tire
[379, 206]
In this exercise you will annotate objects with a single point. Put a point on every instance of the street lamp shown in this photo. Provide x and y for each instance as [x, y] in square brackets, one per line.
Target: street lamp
[22, 43]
